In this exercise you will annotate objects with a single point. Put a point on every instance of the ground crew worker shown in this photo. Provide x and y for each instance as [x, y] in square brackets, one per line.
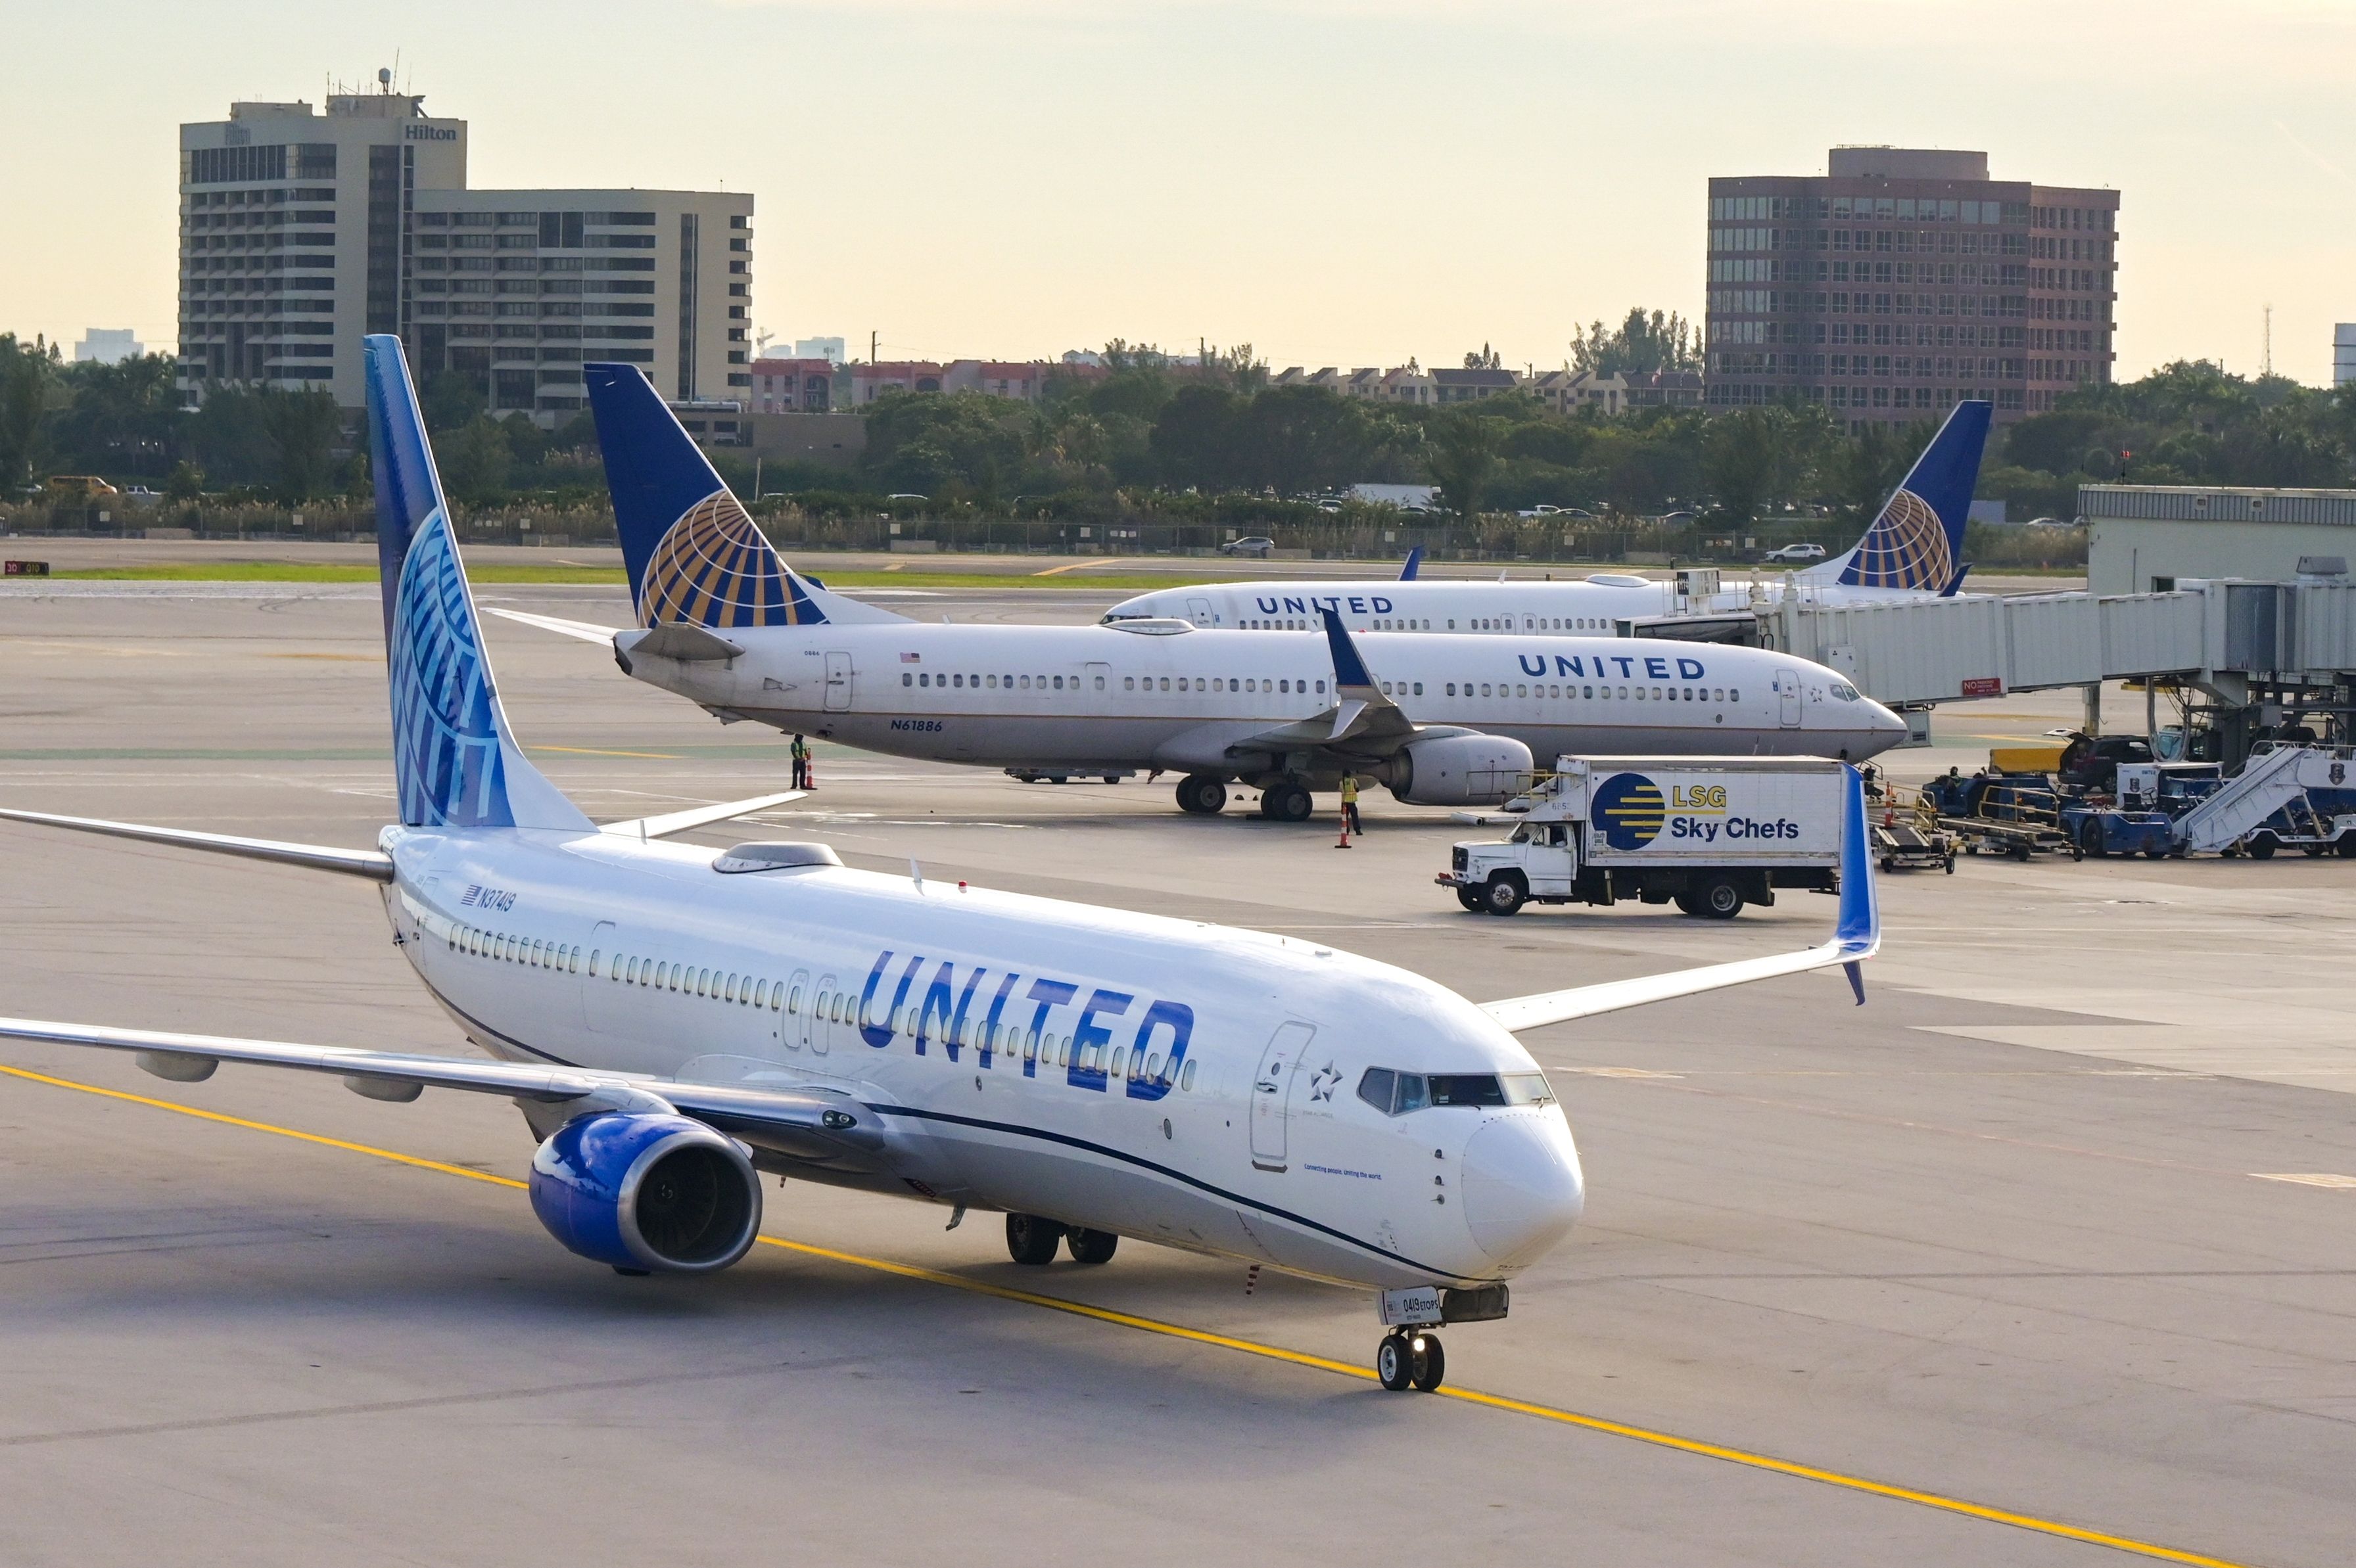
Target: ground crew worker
[1350, 803]
[801, 763]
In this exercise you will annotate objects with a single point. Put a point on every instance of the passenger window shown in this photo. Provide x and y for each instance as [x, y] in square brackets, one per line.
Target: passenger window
[1419, 688]
[1129, 683]
[908, 679]
[1153, 1068]
[794, 1000]
[1186, 1077]
[1120, 1060]
[760, 992]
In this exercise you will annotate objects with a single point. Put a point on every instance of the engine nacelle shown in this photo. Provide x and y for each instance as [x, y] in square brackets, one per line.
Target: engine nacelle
[1460, 770]
[647, 1191]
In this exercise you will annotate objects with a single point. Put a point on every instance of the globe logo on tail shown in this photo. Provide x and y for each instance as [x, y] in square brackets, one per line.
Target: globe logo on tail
[1630, 809]
[1906, 548]
[713, 568]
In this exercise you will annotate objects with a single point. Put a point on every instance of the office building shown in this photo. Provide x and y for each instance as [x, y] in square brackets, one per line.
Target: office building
[1904, 280]
[108, 346]
[2343, 354]
[301, 231]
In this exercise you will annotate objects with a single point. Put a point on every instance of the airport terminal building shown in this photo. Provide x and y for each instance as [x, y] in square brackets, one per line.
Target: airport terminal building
[301, 231]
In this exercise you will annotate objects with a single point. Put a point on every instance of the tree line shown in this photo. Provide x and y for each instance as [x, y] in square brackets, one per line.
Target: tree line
[1208, 438]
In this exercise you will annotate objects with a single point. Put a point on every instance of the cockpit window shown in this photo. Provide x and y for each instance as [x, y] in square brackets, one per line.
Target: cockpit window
[1396, 1093]
[1844, 692]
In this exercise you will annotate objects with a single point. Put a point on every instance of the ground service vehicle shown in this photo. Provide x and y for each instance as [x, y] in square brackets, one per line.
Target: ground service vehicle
[1708, 833]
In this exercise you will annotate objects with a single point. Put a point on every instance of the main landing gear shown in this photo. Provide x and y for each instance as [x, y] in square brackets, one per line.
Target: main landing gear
[1410, 1359]
[1032, 1239]
[1285, 801]
[1201, 795]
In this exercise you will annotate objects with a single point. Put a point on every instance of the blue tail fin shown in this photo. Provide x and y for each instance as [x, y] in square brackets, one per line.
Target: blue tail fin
[1414, 564]
[1917, 541]
[694, 552]
[454, 762]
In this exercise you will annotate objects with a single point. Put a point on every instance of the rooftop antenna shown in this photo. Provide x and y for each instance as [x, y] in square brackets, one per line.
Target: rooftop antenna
[2269, 358]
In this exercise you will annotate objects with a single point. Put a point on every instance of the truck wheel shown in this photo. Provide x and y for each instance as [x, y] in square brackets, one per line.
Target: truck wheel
[1470, 897]
[1504, 893]
[1685, 903]
[2092, 838]
[1718, 899]
[2261, 846]
[2348, 846]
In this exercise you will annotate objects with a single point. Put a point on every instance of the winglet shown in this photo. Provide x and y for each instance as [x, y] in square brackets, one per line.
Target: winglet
[1414, 563]
[1349, 670]
[1955, 581]
[1860, 931]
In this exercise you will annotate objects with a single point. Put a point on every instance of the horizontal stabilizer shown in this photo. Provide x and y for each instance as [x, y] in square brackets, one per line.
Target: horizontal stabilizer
[365, 863]
[587, 631]
[689, 645]
[696, 816]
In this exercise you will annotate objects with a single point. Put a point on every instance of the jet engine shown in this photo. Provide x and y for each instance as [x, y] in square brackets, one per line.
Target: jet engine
[645, 1191]
[1460, 770]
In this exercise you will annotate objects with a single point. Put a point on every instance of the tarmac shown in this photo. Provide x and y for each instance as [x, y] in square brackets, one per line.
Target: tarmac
[2043, 1255]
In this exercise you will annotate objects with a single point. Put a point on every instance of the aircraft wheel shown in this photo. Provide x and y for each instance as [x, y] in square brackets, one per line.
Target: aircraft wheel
[1395, 1363]
[1032, 1240]
[1286, 801]
[1199, 794]
[1091, 1246]
[1431, 1363]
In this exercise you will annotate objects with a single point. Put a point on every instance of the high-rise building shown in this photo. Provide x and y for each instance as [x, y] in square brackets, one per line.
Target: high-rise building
[1904, 280]
[2343, 354]
[301, 231]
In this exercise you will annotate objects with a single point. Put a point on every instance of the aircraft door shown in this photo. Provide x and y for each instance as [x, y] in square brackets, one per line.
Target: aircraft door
[820, 1026]
[1272, 1093]
[1199, 612]
[1787, 698]
[793, 1022]
[838, 683]
[597, 1013]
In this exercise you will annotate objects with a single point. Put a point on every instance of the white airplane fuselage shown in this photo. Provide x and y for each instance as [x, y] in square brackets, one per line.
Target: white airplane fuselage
[1108, 697]
[1588, 606]
[1163, 1079]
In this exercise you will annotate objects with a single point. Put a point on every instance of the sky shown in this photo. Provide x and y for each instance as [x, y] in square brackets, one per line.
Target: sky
[1336, 182]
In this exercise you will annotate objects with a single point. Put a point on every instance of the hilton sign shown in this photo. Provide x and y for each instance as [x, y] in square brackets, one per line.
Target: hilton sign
[429, 132]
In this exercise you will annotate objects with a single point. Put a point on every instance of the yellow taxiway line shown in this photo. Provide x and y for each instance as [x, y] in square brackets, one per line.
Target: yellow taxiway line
[1743, 1457]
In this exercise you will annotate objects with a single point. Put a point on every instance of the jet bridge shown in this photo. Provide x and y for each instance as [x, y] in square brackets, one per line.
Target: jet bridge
[2249, 659]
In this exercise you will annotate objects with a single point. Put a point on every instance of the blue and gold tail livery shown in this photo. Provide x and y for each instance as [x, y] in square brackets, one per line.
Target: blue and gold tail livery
[455, 761]
[1917, 541]
[694, 554]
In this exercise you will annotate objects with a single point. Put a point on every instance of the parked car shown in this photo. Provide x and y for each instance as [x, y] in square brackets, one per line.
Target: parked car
[87, 485]
[1255, 547]
[1804, 550]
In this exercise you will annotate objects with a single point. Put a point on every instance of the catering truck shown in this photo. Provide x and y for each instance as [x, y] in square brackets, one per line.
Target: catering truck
[1706, 834]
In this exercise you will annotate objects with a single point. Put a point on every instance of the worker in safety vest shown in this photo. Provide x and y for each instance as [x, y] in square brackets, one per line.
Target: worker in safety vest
[1350, 803]
[801, 763]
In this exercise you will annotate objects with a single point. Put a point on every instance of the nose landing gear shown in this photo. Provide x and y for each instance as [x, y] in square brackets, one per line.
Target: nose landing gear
[1410, 1359]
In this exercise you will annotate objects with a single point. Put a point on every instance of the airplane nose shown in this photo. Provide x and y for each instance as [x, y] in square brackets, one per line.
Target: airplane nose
[1523, 1191]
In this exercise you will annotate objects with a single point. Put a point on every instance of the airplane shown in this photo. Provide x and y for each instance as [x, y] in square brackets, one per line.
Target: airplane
[675, 1023]
[1441, 720]
[1913, 550]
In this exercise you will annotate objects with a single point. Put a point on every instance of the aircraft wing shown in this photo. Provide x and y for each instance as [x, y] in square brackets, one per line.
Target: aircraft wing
[1363, 722]
[1856, 939]
[794, 1120]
